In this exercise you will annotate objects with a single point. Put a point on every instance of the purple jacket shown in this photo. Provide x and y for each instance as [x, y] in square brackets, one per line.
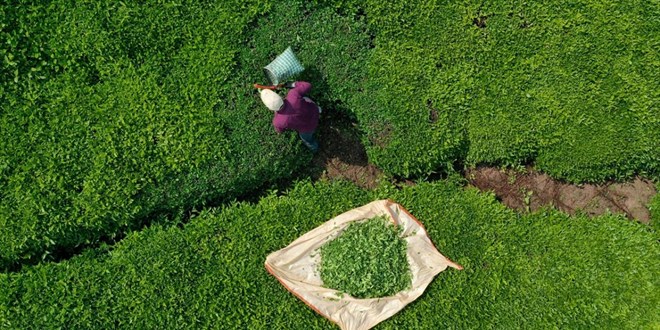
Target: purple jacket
[298, 114]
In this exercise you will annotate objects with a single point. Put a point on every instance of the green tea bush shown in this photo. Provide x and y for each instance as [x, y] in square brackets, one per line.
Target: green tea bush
[569, 88]
[137, 110]
[414, 102]
[654, 207]
[148, 108]
[562, 85]
[333, 49]
[543, 270]
[115, 111]
[206, 275]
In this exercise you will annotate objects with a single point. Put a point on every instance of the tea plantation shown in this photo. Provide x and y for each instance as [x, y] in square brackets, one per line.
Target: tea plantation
[121, 118]
[141, 110]
[536, 271]
[569, 86]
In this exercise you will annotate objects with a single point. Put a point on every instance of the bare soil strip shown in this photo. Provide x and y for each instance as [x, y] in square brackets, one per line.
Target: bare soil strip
[530, 190]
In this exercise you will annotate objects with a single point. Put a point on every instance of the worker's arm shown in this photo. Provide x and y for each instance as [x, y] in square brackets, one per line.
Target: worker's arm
[295, 95]
[301, 88]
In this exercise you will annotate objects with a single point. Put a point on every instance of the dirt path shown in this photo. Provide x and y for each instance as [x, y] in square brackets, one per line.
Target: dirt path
[530, 190]
[343, 156]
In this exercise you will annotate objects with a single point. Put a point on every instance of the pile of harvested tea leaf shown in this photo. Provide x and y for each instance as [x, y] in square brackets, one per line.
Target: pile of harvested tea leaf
[367, 260]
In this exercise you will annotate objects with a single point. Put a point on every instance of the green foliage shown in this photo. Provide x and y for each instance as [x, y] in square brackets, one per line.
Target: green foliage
[367, 260]
[413, 119]
[654, 207]
[332, 48]
[131, 109]
[113, 111]
[148, 108]
[561, 85]
[208, 275]
[576, 97]
[543, 270]
[540, 270]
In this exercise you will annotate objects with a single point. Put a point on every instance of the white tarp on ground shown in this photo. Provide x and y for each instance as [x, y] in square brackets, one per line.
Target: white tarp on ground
[295, 267]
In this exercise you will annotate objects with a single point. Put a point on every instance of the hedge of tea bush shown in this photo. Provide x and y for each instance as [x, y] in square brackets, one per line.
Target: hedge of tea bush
[542, 270]
[124, 110]
[568, 86]
[115, 111]
[332, 47]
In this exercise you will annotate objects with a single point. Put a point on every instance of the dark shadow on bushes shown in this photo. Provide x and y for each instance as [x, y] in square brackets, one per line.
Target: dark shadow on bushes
[338, 132]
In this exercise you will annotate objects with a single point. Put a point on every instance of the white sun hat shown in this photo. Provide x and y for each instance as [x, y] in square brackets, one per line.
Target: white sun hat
[271, 99]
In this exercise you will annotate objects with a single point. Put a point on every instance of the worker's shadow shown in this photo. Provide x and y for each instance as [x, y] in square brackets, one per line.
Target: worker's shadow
[338, 133]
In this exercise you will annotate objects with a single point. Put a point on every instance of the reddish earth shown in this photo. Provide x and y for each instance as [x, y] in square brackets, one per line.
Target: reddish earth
[529, 190]
[342, 156]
